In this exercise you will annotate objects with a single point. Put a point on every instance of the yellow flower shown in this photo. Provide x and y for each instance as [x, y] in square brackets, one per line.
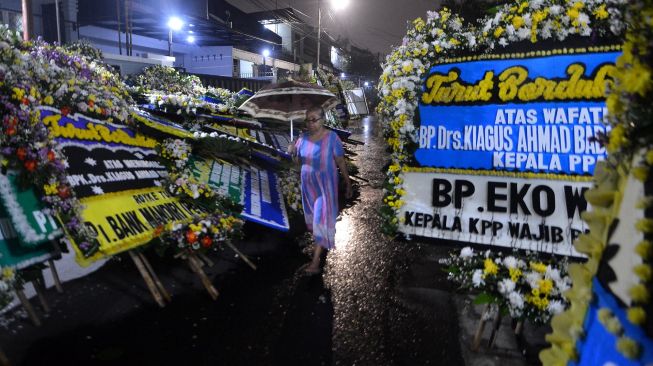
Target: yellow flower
[636, 315]
[515, 273]
[628, 347]
[545, 286]
[644, 225]
[490, 268]
[573, 13]
[454, 41]
[48, 100]
[538, 267]
[517, 22]
[643, 249]
[50, 189]
[600, 12]
[498, 32]
[7, 273]
[639, 293]
[643, 271]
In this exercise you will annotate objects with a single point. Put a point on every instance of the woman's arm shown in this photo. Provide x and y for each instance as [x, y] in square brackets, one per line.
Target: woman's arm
[340, 161]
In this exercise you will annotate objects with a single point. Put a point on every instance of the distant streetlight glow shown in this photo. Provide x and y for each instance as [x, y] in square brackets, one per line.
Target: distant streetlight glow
[190, 39]
[175, 23]
[339, 4]
[266, 53]
[342, 75]
[366, 84]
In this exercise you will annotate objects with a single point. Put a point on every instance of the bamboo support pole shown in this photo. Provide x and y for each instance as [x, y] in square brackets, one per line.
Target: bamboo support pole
[192, 262]
[28, 307]
[55, 276]
[39, 287]
[148, 279]
[496, 324]
[476, 342]
[241, 255]
[206, 260]
[157, 281]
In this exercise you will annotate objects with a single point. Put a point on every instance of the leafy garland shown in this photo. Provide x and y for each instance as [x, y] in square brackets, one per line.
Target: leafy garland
[216, 220]
[631, 115]
[445, 35]
[525, 289]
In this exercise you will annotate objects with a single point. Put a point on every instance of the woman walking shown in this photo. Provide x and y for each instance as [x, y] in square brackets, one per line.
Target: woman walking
[320, 151]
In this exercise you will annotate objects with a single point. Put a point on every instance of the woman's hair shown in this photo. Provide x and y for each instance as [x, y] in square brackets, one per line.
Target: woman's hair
[317, 109]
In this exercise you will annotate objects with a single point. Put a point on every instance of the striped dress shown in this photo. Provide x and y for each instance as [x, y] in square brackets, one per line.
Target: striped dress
[320, 185]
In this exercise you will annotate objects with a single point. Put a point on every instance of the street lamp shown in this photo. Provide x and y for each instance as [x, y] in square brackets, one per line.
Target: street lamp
[265, 53]
[342, 75]
[174, 24]
[190, 39]
[337, 5]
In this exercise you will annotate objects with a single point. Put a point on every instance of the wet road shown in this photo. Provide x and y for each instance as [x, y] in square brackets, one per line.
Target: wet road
[376, 322]
[378, 302]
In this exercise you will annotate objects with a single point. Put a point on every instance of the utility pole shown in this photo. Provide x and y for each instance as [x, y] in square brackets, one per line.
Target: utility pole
[319, 32]
[28, 23]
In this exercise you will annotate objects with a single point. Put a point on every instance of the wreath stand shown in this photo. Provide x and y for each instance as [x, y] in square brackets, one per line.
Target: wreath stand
[39, 287]
[197, 261]
[496, 319]
[152, 281]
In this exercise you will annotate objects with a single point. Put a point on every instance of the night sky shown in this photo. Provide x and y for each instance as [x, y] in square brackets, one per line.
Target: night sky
[372, 24]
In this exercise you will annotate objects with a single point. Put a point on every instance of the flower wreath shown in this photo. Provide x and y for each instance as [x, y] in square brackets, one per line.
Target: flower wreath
[445, 35]
[216, 220]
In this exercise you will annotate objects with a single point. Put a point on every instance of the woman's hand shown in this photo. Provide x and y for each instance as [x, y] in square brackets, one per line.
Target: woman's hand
[292, 150]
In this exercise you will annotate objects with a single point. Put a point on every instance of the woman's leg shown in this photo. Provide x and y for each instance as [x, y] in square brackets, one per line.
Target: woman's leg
[315, 262]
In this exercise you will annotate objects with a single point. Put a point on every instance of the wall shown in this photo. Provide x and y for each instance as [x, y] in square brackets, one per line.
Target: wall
[184, 53]
[209, 60]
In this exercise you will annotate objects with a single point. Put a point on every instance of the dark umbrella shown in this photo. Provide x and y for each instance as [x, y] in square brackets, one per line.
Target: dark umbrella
[288, 101]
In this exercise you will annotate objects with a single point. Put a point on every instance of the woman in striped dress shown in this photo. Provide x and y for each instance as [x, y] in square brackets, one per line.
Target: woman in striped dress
[320, 151]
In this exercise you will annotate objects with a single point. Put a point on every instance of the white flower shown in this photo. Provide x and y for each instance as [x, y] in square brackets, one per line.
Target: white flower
[555, 10]
[524, 33]
[555, 307]
[533, 278]
[90, 161]
[552, 273]
[506, 286]
[466, 252]
[536, 4]
[516, 300]
[477, 278]
[510, 262]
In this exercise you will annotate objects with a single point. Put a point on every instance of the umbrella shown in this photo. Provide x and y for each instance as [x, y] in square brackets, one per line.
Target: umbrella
[288, 101]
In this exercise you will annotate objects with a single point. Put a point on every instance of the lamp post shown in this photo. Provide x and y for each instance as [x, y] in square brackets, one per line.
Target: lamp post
[337, 4]
[174, 24]
[265, 53]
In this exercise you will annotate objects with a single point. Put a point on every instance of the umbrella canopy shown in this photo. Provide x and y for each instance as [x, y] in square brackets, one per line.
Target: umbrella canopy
[288, 100]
